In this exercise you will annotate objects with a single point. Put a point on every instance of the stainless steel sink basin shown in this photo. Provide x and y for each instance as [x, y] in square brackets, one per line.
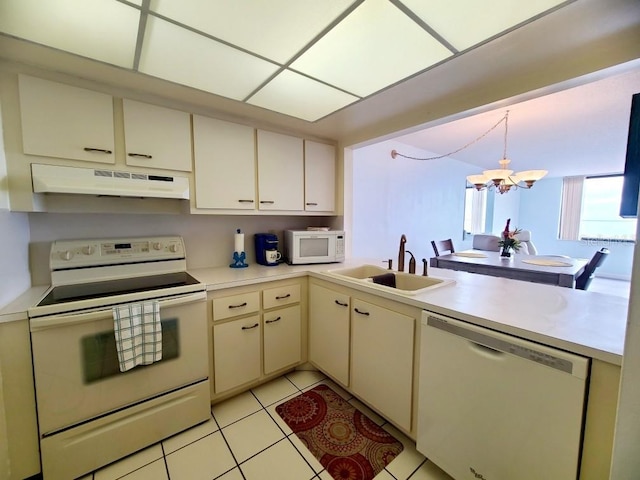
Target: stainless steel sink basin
[405, 283]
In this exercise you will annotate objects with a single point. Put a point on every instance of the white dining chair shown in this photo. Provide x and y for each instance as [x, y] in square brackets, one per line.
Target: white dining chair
[486, 242]
[525, 237]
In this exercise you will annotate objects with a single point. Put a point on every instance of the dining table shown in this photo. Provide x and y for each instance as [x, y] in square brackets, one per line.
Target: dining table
[557, 270]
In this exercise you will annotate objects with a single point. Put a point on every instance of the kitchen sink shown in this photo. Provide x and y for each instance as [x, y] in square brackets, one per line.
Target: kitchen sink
[380, 278]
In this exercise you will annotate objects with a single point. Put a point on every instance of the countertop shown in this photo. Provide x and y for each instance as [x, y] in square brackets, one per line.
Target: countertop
[582, 322]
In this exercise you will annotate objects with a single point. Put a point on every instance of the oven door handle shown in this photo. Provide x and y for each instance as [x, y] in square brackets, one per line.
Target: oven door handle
[90, 316]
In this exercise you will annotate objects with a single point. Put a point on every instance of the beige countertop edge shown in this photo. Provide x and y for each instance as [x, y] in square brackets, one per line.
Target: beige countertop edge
[17, 309]
[563, 318]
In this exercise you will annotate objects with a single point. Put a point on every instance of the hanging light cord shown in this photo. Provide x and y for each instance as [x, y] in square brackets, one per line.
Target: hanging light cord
[505, 119]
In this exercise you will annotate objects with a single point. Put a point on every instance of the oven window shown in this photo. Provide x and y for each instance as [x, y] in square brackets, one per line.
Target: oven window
[314, 247]
[100, 357]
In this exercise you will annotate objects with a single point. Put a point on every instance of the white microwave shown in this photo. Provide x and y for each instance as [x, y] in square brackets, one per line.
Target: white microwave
[311, 246]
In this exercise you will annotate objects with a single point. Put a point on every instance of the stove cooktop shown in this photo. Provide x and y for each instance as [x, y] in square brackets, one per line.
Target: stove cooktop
[111, 288]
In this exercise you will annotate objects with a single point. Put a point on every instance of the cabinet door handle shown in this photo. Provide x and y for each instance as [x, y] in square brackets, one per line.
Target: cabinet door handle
[140, 155]
[311, 204]
[270, 202]
[281, 297]
[361, 312]
[274, 320]
[238, 306]
[100, 150]
[245, 201]
[251, 327]
[338, 302]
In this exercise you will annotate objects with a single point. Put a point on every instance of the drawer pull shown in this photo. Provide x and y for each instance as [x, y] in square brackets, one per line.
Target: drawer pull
[100, 150]
[251, 327]
[312, 204]
[140, 155]
[361, 312]
[282, 297]
[274, 320]
[245, 201]
[270, 202]
[338, 302]
[244, 304]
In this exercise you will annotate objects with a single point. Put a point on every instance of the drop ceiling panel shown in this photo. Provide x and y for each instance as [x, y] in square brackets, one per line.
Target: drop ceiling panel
[182, 56]
[465, 23]
[296, 95]
[100, 29]
[375, 46]
[275, 29]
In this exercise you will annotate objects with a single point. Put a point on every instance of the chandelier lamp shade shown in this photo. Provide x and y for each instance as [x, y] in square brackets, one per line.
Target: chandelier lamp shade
[502, 179]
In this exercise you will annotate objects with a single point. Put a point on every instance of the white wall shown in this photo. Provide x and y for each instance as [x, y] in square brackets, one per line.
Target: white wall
[422, 199]
[208, 239]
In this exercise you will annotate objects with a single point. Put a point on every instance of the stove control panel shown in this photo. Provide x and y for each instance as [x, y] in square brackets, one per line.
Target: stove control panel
[68, 254]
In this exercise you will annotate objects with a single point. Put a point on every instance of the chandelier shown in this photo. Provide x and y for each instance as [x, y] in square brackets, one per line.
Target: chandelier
[502, 179]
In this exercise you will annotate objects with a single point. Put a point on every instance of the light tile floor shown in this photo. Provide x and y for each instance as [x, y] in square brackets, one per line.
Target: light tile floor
[247, 440]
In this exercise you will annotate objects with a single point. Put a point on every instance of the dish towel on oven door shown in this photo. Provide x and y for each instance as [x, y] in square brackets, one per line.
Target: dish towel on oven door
[138, 334]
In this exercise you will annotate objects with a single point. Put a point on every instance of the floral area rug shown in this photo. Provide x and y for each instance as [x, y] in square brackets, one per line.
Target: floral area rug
[347, 444]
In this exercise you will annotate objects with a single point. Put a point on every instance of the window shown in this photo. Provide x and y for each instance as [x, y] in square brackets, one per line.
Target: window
[475, 211]
[591, 210]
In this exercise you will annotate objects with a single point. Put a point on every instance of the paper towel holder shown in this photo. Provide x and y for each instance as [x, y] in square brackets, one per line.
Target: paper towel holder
[239, 255]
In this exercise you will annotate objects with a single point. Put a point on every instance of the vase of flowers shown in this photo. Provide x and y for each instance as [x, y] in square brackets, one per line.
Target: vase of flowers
[509, 241]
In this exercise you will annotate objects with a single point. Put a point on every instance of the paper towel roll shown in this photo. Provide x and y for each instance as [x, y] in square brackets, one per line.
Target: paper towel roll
[239, 242]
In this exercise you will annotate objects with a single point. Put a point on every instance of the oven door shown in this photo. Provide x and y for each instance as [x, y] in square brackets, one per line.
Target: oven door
[76, 367]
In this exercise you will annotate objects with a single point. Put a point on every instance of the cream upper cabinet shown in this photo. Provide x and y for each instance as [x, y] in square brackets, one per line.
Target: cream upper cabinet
[156, 137]
[382, 360]
[319, 177]
[225, 170]
[280, 172]
[65, 122]
[329, 332]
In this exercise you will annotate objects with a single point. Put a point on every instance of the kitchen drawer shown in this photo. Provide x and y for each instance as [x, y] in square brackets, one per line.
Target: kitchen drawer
[236, 305]
[279, 296]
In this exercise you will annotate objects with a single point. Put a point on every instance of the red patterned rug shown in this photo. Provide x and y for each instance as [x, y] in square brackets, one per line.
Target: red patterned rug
[347, 444]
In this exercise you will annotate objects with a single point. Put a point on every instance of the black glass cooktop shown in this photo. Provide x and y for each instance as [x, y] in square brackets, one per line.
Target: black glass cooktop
[110, 288]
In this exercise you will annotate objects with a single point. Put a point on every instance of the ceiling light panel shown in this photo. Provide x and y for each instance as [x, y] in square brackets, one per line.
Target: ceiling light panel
[296, 95]
[465, 23]
[373, 47]
[275, 29]
[101, 29]
[182, 56]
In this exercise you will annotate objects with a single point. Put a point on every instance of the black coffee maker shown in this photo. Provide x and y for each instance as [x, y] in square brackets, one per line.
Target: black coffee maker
[267, 249]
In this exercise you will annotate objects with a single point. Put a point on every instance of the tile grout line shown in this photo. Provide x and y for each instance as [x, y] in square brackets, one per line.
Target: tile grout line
[230, 450]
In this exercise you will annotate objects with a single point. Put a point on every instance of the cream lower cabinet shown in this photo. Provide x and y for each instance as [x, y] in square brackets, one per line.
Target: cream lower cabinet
[382, 359]
[329, 334]
[257, 334]
[368, 348]
[236, 351]
[281, 338]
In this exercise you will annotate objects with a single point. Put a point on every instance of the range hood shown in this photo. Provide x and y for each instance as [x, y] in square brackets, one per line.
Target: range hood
[89, 181]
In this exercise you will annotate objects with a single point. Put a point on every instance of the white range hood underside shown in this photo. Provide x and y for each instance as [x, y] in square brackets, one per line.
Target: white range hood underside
[90, 181]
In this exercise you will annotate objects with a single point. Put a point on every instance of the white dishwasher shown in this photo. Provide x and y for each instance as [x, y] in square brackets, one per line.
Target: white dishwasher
[495, 407]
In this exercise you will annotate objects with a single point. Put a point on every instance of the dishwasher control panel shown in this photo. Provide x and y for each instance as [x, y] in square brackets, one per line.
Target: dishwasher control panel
[499, 344]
